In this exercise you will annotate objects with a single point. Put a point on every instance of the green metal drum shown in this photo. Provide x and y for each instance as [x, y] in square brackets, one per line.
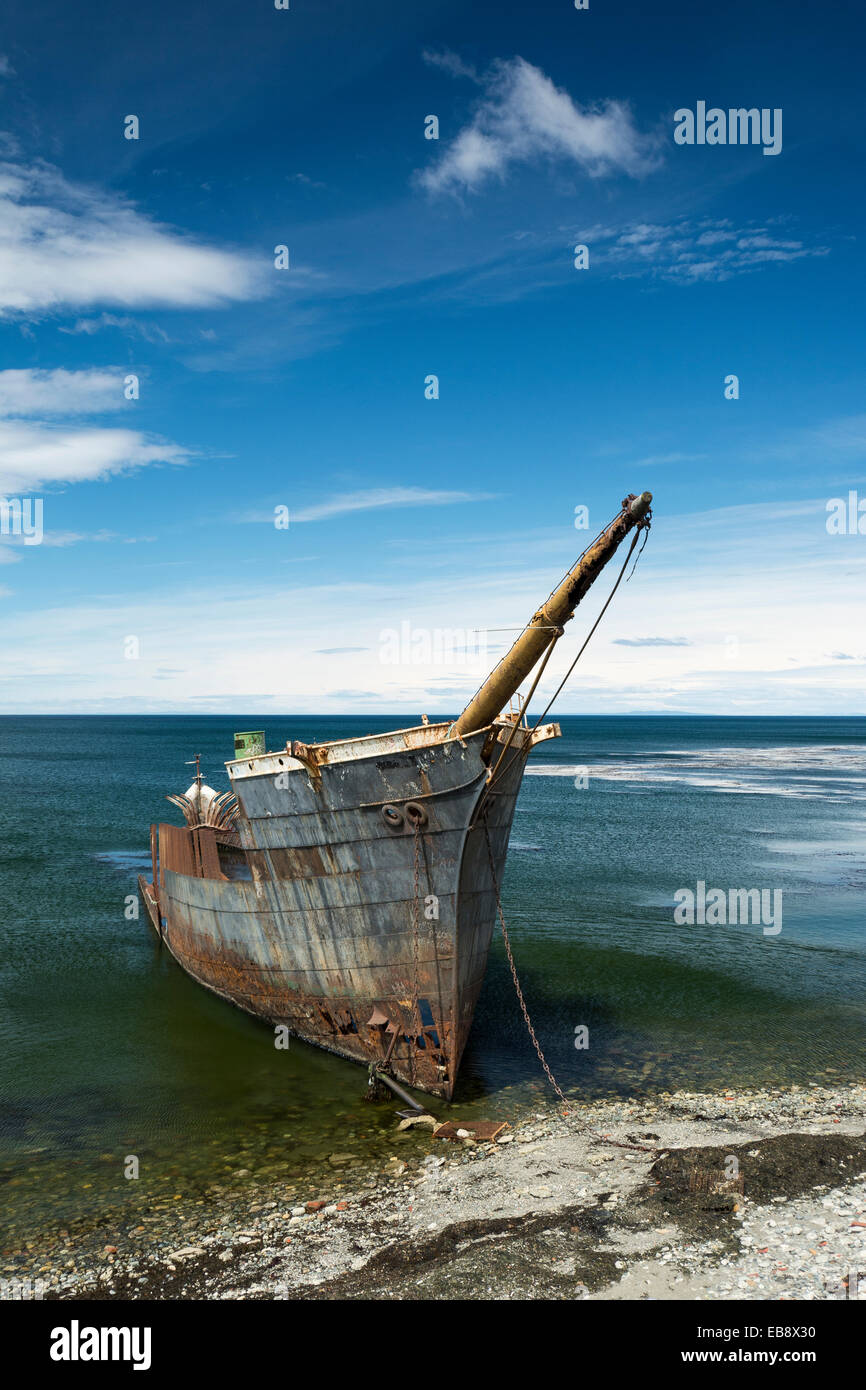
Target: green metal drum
[250, 745]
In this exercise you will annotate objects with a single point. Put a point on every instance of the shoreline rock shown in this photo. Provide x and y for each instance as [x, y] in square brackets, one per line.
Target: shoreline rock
[756, 1194]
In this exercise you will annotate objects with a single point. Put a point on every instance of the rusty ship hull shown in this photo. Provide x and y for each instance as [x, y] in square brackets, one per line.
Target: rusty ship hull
[348, 890]
[354, 901]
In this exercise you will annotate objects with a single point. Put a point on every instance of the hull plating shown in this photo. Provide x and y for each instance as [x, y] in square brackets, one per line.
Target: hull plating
[322, 937]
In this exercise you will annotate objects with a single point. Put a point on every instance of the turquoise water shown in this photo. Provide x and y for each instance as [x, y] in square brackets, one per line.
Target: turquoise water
[109, 1049]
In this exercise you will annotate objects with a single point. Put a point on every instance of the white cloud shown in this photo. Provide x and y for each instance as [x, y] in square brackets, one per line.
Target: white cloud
[35, 455]
[840, 436]
[32, 391]
[66, 246]
[654, 460]
[449, 62]
[375, 498]
[524, 117]
[150, 331]
[59, 540]
[651, 642]
[688, 251]
[725, 582]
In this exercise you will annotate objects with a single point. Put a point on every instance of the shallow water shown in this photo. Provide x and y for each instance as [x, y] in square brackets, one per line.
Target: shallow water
[107, 1049]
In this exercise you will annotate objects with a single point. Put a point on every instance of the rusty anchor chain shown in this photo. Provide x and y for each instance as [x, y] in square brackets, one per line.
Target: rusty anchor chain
[513, 968]
[416, 934]
[566, 1107]
[643, 526]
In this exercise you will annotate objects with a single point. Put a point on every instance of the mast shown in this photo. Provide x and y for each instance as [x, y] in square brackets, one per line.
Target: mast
[547, 622]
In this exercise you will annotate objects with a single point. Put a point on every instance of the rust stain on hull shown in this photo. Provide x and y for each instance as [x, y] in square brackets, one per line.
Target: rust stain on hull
[345, 889]
[313, 918]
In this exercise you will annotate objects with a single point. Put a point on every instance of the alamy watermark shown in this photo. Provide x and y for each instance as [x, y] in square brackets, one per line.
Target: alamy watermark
[717, 907]
[77, 1343]
[22, 516]
[437, 646]
[846, 516]
[22, 1290]
[736, 126]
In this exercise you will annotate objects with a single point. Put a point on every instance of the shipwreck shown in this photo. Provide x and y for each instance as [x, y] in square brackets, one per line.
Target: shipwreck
[348, 890]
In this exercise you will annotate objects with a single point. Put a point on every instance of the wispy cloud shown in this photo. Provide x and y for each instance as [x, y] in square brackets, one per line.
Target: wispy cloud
[61, 540]
[732, 592]
[450, 62]
[150, 331]
[523, 116]
[63, 245]
[36, 454]
[655, 460]
[651, 642]
[375, 498]
[841, 439]
[691, 251]
[32, 391]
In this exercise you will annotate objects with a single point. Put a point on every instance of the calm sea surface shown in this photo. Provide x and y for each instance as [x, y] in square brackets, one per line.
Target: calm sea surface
[108, 1049]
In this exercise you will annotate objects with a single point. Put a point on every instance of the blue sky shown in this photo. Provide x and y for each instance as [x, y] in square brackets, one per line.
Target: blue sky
[305, 387]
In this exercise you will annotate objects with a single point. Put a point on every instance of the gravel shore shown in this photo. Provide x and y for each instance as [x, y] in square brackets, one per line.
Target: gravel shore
[754, 1195]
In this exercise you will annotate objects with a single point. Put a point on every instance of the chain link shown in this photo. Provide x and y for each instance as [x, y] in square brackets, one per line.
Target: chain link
[566, 1107]
[520, 999]
[416, 1013]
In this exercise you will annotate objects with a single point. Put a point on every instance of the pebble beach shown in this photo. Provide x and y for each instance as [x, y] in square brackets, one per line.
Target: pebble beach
[616, 1200]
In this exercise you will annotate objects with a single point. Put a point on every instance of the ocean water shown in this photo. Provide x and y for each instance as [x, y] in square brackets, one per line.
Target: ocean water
[108, 1050]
